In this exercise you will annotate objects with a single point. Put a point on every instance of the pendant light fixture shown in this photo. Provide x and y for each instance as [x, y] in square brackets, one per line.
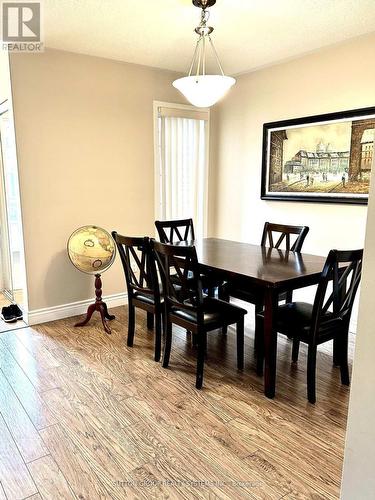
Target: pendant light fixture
[201, 89]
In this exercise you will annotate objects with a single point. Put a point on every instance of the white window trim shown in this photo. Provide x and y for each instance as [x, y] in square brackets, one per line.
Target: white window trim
[162, 104]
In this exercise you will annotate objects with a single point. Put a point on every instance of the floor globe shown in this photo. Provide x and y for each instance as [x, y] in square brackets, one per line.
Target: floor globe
[91, 249]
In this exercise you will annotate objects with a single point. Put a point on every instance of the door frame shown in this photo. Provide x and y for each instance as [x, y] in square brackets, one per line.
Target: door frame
[7, 106]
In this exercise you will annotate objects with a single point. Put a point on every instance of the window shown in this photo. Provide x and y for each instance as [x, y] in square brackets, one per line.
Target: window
[181, 164]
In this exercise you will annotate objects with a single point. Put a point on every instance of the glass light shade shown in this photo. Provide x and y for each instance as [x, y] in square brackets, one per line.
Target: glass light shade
[204, 91]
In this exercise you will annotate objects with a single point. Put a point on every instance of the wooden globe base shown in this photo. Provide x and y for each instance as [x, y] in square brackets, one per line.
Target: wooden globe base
[98, 305]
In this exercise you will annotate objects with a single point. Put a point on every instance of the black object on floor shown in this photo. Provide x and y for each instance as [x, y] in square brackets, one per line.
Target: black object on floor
[11, 313]
[8, 314]
[17, 312]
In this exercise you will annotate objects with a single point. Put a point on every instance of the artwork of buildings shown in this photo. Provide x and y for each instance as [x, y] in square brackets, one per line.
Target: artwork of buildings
[354, 162]
[322, 160]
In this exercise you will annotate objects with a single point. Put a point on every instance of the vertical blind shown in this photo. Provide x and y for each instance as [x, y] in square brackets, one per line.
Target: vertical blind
[183, 146]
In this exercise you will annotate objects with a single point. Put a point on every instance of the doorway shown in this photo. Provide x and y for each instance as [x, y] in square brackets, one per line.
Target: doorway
[12, 267]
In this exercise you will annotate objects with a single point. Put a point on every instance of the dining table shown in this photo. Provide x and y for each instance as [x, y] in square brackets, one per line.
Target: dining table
[272, 270]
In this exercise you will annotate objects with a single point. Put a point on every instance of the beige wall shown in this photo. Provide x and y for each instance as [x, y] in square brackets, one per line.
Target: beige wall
[358, 474]
[335, 79]
[84, 130]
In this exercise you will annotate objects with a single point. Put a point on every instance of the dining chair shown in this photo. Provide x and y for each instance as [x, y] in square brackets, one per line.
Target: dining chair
[142, 283]
[276, 234]
[186, 305]
[327, 318]
[173, 231]
[178, 230]
[281, 237]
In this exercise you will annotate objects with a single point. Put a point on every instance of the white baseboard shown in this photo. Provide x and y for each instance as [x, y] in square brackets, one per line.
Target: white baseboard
[73, 309]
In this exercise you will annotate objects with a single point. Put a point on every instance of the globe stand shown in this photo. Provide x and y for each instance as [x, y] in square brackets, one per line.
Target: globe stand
[98, 305]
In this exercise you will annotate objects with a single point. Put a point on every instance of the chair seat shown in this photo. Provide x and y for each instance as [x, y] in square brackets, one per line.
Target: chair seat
[294, 319]
[146, 299]
[216, 313]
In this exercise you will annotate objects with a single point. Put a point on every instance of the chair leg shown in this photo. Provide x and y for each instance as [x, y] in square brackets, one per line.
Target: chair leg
[288, 300]
[295, 350]
[158, 328]
[202, 342]
[131, 325]
[223, 295]
[240, 344]
[311, 374]
[163, 321]
[167, 344]
[343, 351]
[336, 352]
[150, 321]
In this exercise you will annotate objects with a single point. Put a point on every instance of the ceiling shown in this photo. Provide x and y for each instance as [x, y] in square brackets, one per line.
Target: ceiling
[248, 33]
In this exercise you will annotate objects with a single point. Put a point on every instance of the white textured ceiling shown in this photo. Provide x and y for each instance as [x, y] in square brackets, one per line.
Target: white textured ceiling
[248, 33]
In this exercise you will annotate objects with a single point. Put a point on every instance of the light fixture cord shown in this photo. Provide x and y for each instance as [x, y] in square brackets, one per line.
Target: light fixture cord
[204, 55]
[216, 55]
[199, 56]
[194, 56]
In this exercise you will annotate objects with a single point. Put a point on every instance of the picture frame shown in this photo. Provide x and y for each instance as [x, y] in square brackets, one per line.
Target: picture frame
[323, 158]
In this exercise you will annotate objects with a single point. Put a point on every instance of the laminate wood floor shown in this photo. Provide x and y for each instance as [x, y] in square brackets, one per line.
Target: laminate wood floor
[83, 416]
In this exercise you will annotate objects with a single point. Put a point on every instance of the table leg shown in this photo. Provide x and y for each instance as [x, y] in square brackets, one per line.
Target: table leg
[270, 341]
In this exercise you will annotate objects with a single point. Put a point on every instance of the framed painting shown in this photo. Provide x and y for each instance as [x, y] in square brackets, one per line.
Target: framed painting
[323, 158]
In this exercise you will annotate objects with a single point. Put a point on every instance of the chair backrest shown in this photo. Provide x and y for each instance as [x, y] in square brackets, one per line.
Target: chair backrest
[343, 268]
[275, 234]
[179, 271]
[139, 265]
[172, 231]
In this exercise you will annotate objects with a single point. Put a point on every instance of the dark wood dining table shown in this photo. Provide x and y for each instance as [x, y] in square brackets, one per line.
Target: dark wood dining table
[272, 270]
